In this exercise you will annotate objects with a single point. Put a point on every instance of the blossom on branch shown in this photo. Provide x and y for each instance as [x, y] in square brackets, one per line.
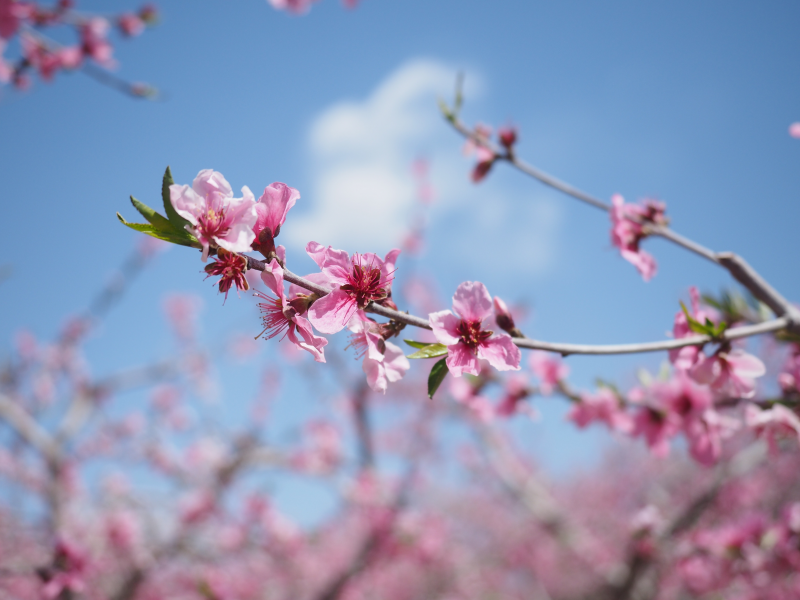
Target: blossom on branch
[628, 229]
[603, 406]
[356, 282]
[383, 362]
[466, 338]
[272, 207]
[280, 316]
[729, 372]
[231, 268]
[215, 217]
[772, 423]
[683, 359]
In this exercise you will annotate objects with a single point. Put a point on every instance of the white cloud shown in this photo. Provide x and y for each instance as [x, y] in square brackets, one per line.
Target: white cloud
[363, 192]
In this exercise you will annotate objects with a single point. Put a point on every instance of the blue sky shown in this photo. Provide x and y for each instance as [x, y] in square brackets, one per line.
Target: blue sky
[684, 101]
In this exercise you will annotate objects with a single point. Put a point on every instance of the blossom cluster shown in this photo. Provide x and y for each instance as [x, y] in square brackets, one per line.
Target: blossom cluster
[25, 21]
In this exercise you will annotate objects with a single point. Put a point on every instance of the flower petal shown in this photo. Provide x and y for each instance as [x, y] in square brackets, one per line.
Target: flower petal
[460, 359]
[331, 313]
[445, 327]
[472, 301]
[501, 353]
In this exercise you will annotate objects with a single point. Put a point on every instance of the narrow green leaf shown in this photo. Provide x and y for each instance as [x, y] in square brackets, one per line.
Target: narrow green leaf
[429, 351]
[694, 324]
[157, 220]
[173, 216]
[174, 237]
[435, 379]
[414, 344]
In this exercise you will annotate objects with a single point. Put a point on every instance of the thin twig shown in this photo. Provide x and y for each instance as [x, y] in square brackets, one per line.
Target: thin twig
[560, 348]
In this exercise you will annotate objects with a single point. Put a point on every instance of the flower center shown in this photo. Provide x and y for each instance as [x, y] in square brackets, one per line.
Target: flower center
[364, 284]
[213, 223]
[274, 317]
[472, 334]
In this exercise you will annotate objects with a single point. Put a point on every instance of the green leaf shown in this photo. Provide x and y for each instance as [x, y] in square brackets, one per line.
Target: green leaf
[414, 344]
[435, 379]
[175, 237]
[694, 324]
[173, 216]
[158, 221]
[429, 351]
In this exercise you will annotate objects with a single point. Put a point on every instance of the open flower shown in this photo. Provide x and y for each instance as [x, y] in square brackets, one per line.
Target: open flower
[231, 268]
[627, 231]
[603, 406]
[730, 372]
[772, 423]
[383, 361]
[272, 207]
[215, 217]
[356, 282]
[465, 337]
[280, 316]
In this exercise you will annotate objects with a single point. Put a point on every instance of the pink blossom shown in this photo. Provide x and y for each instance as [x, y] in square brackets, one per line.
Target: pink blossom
[465, 393]
[11, 13]
[504, 318]
[507, 136]
[550, 370]
[216, 218]
[480, 137]
[774, 422]
[514, 392]
[324, 448]
[231, 268]
[687, 357]
[603, 406]
[130, 24]
[72, 565]
[286, 317]
[465, 337]
[356, 282]
[732, 373]
[627, 231]
[383, 361]
[705, 433]
[6, 71]
[657, 427]
[122, 530]
[486, 159]
[794, 130]
[94, 42]
[272, 207]
[298, 7]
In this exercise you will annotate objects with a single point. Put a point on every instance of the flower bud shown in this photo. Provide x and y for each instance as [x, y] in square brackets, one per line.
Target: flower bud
[504, 319]
[507, 136]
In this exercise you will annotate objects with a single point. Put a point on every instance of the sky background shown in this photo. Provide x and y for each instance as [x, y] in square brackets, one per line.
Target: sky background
[686, 102]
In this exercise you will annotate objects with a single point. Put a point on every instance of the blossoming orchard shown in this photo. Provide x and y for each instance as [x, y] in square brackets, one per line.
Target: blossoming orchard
[421, 449]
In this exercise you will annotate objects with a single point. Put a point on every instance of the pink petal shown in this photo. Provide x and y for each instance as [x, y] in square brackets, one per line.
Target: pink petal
[273, 205]
[210, 182]
[745, 365]
[331, 313]
[395, 362]
[317, 252]
[501, 353]
[460, 359]
[707, 370]
[445, 327]
[312, 343]
[472, 301]
[272, 276]
[376, 374]
[186, 202]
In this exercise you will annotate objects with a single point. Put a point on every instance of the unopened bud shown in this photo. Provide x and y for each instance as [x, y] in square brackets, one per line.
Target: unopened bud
[301, 302]
[507, 136]
[504, 319]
